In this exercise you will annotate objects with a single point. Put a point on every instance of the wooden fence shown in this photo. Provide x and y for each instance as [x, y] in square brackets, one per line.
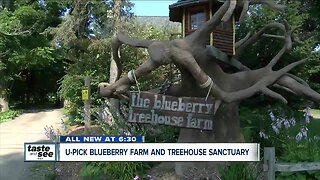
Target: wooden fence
[270, 167]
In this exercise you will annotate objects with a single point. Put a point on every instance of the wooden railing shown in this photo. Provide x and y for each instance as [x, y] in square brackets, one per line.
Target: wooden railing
[270, 167]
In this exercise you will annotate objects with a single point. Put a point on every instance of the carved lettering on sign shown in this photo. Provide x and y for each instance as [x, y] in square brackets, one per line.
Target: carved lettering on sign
[186, 112]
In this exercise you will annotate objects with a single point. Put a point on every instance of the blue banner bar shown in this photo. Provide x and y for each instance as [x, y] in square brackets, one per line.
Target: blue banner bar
[101, 139]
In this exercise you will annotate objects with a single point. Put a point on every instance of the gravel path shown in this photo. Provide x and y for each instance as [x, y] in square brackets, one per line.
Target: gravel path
[29, 127]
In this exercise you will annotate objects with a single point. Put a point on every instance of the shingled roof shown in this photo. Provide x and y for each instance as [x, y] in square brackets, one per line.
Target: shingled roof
[180, 3]
[176, 9]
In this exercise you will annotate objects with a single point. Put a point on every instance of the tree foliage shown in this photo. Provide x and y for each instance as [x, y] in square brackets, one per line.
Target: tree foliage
[300, 14]
[26, 51]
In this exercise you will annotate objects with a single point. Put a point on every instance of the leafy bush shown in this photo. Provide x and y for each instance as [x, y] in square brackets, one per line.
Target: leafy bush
[307, 150]
[294, 134]
[8, 115]
[113, 170]
[115, 124]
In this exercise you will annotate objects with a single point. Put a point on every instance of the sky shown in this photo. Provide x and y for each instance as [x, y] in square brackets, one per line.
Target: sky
[152, 7]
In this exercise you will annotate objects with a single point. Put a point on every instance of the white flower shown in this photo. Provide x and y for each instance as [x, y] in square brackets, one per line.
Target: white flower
[279, 123]
[299, 136]
[275, 129]
[263, 135]
[292, 121]
[272, 116]
[304, 132]
[286, 124]
[307, 119]
[127, 133]
[307, 114]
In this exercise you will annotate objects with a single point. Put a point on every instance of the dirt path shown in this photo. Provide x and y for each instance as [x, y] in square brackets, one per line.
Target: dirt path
[28, 127]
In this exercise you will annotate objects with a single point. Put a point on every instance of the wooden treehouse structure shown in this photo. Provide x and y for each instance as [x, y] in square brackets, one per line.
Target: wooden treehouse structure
[192, 14]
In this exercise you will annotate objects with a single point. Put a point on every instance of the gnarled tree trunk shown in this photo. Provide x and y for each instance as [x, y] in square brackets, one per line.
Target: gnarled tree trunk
[202, 75]
[226, 123]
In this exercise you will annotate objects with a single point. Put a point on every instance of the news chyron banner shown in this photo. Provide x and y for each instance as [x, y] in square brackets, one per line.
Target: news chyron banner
[133, 148]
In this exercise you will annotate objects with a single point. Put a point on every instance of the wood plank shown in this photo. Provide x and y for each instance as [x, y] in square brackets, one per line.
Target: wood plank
[222, 35]
[218, 37]
[293, 167]
[224, 38]
[225, 43]
[223, 31]
[269, 163]
[221, 38]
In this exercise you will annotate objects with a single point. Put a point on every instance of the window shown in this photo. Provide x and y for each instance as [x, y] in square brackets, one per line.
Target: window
[197, 20]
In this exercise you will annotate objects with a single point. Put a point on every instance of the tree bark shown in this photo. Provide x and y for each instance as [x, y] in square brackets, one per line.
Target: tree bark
[4, 102]
[114, 69]
[226, 123]
[201, 75]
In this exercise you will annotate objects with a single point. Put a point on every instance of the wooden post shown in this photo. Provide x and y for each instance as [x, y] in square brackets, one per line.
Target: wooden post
[86, 98]
[269, 163]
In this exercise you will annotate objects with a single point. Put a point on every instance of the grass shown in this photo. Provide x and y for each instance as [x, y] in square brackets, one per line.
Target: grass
[9, 115]
[315, 113]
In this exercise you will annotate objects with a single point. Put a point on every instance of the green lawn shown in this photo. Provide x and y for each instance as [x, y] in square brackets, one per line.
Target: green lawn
[315, 113]
[9, 115]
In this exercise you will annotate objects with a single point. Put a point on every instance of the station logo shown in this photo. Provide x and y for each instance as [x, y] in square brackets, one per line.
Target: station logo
[39, 152]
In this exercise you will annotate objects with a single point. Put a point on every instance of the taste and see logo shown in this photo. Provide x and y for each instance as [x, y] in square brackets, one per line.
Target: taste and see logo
[40, 152]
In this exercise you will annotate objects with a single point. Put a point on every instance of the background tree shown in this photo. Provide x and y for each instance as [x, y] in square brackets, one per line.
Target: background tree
[83, 38]
[114, 70]
[25, 51]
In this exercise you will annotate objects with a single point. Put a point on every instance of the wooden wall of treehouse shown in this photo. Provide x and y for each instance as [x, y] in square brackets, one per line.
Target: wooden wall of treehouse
[222, 37]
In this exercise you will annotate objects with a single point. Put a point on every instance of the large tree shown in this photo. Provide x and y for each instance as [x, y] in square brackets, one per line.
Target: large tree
[24, 50]
[200, 65]
[114, 69]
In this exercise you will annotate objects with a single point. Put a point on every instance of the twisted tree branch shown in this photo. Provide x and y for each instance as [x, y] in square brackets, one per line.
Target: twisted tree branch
[229, 12]
[256, 37]
[260, 86]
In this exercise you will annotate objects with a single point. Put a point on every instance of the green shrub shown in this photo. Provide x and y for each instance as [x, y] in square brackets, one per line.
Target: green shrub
[119, 126]
[113, 170]
[238, 171]
[8, 115]
[306, 150]
[294, 134]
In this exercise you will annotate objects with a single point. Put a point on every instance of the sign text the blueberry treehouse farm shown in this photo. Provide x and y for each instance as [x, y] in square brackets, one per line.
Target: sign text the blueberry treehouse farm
[186, 112]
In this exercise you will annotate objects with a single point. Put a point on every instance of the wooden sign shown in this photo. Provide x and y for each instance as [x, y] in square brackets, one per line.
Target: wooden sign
[85, 93]
[186, 112]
